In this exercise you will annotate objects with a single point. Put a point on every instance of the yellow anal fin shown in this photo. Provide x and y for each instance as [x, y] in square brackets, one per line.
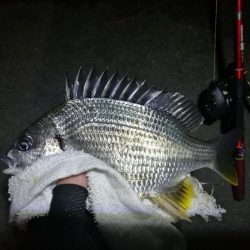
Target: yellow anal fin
[177, 202]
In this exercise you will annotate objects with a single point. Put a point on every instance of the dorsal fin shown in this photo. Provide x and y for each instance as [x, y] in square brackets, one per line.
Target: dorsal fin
[173, 103]
[99, 85]
[119, 87]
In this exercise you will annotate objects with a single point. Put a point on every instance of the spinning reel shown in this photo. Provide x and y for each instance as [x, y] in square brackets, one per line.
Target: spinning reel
[217, 101]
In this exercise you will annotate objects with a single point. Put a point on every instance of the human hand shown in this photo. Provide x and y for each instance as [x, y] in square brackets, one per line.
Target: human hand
[80, 179]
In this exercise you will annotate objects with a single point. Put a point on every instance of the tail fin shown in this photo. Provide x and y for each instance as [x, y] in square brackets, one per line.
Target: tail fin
[224, 163]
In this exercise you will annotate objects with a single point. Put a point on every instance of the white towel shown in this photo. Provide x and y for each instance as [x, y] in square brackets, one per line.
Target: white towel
[125, 220]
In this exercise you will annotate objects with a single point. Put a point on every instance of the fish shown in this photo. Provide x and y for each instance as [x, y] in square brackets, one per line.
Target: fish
[144, 133]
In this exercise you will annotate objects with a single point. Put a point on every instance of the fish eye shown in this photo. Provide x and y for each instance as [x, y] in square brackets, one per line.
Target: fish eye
[24, 143]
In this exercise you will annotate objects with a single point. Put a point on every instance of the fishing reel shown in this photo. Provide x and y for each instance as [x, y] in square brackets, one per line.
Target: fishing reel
[216, 102]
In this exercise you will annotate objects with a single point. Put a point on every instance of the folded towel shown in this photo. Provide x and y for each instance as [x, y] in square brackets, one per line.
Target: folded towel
[125, 220]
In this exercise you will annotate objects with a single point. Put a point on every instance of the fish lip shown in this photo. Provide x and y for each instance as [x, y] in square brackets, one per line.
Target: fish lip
[10, 163]
[7, 160]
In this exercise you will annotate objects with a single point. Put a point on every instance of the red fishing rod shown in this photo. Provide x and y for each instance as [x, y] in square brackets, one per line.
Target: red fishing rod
[238, 103]
[225, 100]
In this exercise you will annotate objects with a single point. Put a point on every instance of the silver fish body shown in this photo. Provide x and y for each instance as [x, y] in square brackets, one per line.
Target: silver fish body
[142, 132]
[150, 149]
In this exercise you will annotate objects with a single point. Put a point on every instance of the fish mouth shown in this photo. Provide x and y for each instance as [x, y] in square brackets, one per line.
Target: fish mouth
[7, 160]
[10, 163]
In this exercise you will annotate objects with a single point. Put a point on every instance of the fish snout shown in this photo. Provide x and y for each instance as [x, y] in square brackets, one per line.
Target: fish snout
[10, 162]
[7, 160]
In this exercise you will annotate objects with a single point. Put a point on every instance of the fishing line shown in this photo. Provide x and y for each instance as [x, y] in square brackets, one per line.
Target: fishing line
[215, 39]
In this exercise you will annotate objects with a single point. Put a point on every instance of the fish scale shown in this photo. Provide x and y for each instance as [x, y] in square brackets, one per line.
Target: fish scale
[160, 150]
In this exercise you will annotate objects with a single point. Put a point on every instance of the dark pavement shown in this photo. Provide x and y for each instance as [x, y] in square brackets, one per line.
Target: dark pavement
[169, 43]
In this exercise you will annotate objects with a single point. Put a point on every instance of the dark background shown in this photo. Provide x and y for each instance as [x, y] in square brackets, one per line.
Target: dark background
[169, 43]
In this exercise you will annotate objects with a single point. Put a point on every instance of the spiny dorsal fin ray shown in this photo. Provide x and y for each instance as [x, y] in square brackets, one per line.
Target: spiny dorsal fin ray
[128, 89]
[88, 84]
[119, 87]
[138, 92]
[99, 85]
[173, 103]
[148, 95]
[76, 86]
[67, 89]
[109, 86]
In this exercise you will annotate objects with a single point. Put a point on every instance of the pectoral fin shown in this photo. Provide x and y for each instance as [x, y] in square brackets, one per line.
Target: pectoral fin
[177, 202]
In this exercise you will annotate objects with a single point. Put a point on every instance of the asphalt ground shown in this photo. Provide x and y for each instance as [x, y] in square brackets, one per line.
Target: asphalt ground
[169, 43]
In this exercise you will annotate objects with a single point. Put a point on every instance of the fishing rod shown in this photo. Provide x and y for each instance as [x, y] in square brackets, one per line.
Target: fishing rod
[239, 95]
[226, 99]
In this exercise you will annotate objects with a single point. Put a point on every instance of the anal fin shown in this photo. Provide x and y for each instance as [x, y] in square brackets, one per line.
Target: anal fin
[177, 202]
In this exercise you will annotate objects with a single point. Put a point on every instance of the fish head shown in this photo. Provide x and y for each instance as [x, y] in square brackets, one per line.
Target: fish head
[39, 140]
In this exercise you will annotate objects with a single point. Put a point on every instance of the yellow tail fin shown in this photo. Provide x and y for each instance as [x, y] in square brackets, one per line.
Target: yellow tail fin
[224, 164]
[227, 172]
